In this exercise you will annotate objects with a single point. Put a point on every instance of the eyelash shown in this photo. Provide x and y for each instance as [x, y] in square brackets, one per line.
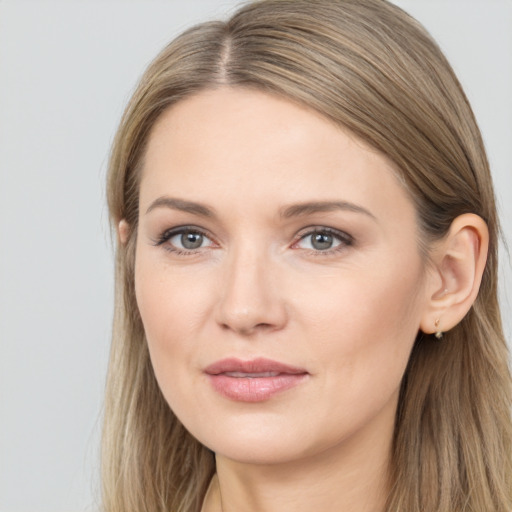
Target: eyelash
[345, 240]
[170, 233]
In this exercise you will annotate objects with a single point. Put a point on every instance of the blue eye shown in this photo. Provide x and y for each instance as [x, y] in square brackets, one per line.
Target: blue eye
[324, 240]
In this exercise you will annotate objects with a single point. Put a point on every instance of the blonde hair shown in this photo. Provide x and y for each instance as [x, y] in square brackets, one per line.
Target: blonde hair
[370, 67]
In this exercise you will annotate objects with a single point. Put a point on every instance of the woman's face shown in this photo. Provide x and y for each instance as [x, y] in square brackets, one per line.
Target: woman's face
[278, 277]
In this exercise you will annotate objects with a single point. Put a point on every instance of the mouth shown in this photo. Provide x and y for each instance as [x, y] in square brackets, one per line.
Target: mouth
[242, 375]
[256, 380]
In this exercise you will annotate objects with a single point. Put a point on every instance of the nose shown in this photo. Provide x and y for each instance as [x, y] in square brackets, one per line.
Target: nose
[251, 300]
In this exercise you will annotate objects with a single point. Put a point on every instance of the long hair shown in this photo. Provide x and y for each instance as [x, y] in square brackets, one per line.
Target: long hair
[371, 68]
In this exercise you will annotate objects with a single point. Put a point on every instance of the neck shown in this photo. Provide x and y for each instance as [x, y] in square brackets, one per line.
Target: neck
[351, 477]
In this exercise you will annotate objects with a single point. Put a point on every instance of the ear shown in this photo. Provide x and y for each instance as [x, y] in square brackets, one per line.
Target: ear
[458, 264]
[123, 231]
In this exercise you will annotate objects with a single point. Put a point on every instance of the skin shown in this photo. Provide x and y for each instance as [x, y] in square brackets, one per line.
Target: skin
[258, 287]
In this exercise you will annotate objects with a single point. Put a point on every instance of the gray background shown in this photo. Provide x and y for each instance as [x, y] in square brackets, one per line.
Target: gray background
[66, 70]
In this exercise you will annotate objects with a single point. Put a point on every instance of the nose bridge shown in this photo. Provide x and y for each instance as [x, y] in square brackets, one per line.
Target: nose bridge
[250, 298]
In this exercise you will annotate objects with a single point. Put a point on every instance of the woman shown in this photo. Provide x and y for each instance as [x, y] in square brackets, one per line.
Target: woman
[306, 312]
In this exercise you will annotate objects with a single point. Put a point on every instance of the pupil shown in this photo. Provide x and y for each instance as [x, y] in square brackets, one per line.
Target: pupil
[321, 241]
[191, 240]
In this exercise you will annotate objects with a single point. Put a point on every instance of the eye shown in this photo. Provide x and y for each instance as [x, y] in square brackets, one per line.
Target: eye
[184, 240]
[323, 240]
[189, 240]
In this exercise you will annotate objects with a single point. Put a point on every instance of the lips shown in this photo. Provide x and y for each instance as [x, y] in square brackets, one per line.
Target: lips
[253, 381]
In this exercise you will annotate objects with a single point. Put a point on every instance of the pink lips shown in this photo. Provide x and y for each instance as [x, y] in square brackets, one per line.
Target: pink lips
[253, 381]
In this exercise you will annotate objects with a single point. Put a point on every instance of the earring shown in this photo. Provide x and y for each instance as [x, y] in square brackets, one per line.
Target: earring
[438, 334]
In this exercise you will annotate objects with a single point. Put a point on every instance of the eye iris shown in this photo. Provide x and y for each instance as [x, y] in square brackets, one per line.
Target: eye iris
[322, 241]
[191, 240]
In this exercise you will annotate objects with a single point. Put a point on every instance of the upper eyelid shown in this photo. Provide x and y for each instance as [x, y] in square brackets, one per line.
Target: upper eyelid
[167, 234]
[323, 229]
[181, 229]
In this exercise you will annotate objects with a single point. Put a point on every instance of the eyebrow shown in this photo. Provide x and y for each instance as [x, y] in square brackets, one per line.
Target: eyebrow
[294, 210]
[181, 205]
[309, 208]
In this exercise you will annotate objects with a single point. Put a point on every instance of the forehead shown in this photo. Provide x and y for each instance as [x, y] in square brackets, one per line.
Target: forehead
[239, 145]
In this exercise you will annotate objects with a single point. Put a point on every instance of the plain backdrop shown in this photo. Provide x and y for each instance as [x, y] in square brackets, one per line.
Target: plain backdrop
[67, 68]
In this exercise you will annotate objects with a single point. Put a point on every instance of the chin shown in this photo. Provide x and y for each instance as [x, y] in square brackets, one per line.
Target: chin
[268, 440]
[258, 450]
[250, 439]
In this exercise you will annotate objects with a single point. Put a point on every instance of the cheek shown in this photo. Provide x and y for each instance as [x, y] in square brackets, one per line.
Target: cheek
[171, 308]
[360, 335]
[168, 295]
[365, 326]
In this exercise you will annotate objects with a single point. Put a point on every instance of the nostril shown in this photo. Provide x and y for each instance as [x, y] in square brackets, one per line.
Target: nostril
[263, 326]
[247, 330]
